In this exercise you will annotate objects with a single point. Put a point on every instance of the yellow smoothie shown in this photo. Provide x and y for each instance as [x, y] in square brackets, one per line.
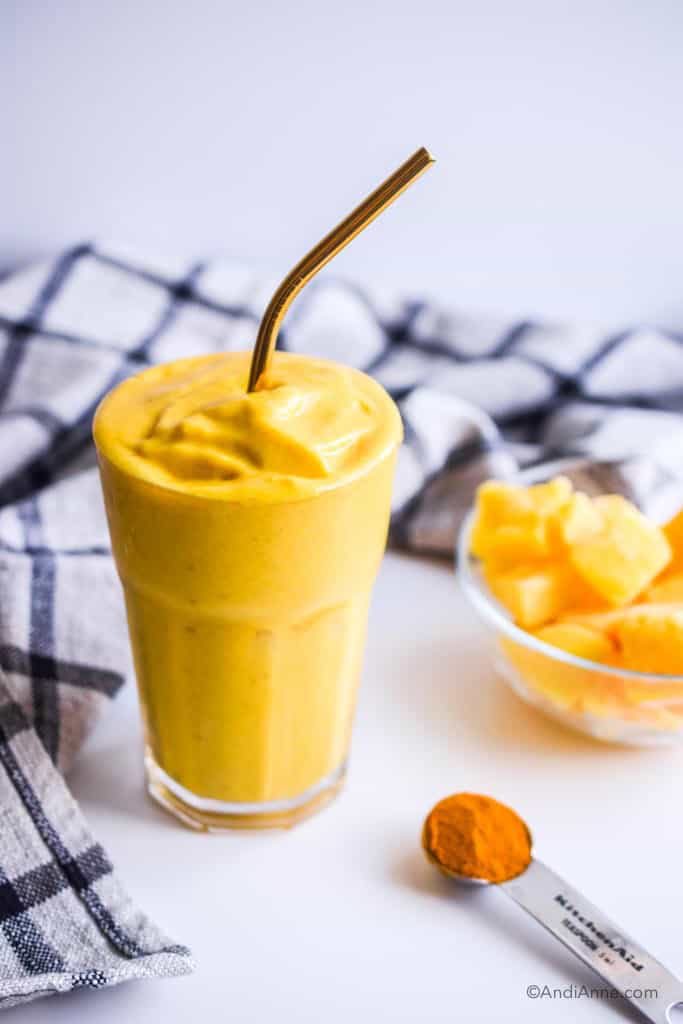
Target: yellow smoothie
[247, 530]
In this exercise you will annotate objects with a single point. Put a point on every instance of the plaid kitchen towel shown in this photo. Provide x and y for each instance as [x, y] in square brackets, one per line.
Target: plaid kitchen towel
[65, 920]
[479, 396]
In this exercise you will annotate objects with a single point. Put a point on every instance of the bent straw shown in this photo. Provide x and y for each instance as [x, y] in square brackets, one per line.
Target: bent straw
[324, 251]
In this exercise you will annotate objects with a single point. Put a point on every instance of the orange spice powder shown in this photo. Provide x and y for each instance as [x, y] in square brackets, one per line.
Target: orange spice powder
[477, 837]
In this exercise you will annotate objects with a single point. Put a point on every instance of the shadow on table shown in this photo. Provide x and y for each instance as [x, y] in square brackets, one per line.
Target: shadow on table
[461, 694]
[125, 1002]
[112, 776]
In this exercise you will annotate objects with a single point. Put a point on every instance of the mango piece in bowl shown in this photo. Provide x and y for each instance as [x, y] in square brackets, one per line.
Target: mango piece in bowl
[667, 590]
[522, 535]
[575, 694]
[576, 519]
[622, 558]
[535, 594]
[650, 638]
[512, 522]
[673, 531]
[584, 641]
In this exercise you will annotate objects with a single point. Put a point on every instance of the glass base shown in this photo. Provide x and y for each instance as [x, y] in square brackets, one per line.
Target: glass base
[208, 815]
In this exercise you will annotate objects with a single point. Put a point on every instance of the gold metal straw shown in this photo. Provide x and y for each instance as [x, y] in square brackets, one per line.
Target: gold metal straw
[326, 250]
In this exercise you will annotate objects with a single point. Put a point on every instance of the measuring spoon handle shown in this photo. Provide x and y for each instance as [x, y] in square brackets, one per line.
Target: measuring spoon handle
[597, 941]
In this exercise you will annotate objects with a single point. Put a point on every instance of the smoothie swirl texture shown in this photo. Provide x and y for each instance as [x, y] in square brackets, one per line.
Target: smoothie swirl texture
[191, 426]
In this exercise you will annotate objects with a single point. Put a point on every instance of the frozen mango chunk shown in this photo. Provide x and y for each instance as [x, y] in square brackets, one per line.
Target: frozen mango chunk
[609, 619]
[624, 556]
[573, 521]
[508, 546]
[667, 590]
[511, 522]
[600, 619]
[575, 690]
[673, 531]
[583, 641]
[565, 687]
[651, 638]
[499, 504]
[536, 594]
[550, 496]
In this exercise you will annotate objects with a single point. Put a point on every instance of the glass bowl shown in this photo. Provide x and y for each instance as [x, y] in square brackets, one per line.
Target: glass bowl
[611, 704]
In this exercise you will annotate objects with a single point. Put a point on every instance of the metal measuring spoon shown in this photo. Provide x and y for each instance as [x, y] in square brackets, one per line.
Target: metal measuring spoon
[589, 934]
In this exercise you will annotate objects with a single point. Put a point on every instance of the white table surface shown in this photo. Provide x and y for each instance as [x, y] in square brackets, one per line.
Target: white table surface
[341, 919]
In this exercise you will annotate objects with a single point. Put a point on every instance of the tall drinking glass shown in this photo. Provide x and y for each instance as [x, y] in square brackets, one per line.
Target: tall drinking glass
[247, 532]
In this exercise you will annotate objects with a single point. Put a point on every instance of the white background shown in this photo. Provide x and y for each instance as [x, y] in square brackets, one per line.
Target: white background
[249, 128]
[341, 920]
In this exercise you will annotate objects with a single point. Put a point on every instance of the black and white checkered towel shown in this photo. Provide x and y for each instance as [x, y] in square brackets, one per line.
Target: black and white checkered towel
[478, 396]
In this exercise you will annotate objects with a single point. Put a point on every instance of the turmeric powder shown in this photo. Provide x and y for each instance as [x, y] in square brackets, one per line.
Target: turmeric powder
[476, 836]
